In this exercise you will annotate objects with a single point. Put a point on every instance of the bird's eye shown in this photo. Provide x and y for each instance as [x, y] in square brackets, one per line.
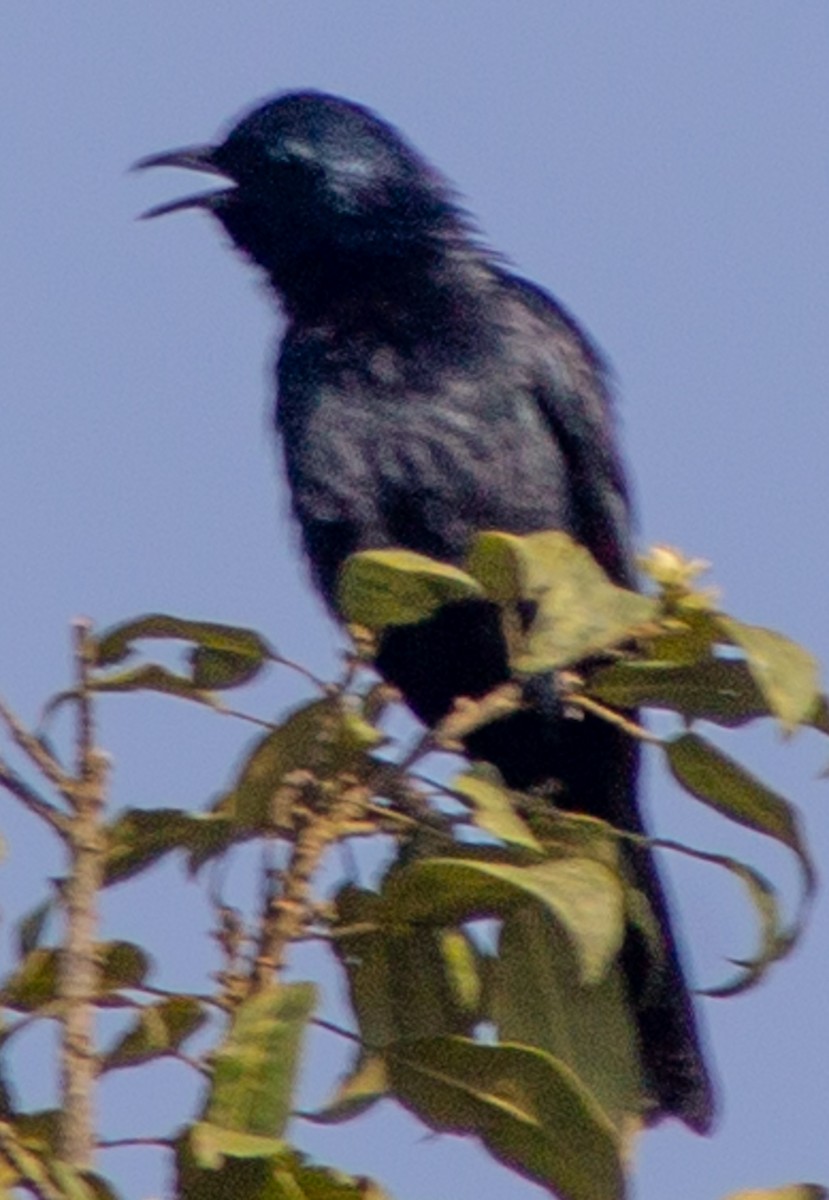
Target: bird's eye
[289, 170]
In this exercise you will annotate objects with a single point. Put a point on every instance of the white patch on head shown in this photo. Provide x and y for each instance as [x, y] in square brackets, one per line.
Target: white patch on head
[300, 149]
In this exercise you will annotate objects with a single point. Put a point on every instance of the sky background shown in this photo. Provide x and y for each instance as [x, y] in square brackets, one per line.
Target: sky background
[663, 168]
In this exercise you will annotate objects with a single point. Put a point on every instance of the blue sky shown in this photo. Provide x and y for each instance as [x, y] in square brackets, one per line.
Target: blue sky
[663, 168]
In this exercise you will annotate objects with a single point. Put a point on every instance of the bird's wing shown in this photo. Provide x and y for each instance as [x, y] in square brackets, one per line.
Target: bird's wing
[571, 385]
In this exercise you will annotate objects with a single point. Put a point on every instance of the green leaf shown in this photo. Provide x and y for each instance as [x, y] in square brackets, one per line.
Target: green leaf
[819, 717]
[775, 942]
[159, 1029]
[572, 834]
[139, 837]
[123, 965]
[364, 956]
[712, 689]
[530, 1111]
[398, 587]
[79, 1185]
[324, 737]
[116, 644]
[787, 675]
[493, 806]
[462, 969]
[39, 1130]
[27, 1165]
[583, 895]
[223, 656]
[792, 1191]
[149, 677]
[405, 980]
[31, 928]
[217, 833]
[432, 983]
[688, 635]
[35, 982]
[308, 1181]
[498, 562]
[578, 611]
[255, 1067]
[218, 668]
[538, 999]
[722, 783]
[211, 1144]
[8, 1098]
[363, 1085]
[214, 1163]
[28, 1161]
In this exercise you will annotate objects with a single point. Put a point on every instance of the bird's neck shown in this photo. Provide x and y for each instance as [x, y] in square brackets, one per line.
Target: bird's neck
[404, 293]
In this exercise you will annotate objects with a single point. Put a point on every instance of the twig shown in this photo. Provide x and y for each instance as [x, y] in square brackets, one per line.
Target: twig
[321, 1023]
[84, 658]
[392, 780]
[13, 783]
[427, 743]
[355, 929]
[284, 908]
[243, 716]
[282, 661]
[145, 989]
[614, 718]
[49, 767]
[318, 822]
[193, 1063]
[119, 1143]
[467, 715]
[389, 820]
[79, 964]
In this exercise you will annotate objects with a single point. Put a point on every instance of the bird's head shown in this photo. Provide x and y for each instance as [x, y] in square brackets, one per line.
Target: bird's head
[318, 184]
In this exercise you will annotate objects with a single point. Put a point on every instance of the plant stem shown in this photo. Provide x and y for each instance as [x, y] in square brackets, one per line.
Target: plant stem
[33, 748]
[80, 965]
[158, 1143]
[287, 909]
[13, 783]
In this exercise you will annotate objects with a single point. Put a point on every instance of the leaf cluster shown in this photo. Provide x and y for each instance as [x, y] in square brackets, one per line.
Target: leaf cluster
[482, 970]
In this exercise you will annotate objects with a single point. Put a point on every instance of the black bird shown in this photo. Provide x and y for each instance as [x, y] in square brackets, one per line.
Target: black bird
[425, 393]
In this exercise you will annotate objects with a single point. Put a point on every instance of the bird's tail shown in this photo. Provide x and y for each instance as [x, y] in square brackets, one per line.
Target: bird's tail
[460, 651]
[596, 765]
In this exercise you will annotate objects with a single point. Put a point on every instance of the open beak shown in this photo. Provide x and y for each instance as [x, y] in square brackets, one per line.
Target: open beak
[192, 158]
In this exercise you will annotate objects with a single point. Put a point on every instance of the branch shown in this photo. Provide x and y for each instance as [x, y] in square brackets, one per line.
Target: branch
[13, 783]
[393, 782]
[348, 1034]
[614, 718]
[169, 994]
[120, 1143]
[193, 1063]
[79, 964]
[84, 660]
[282, 661]
[467, 715]
[287, 911]
[35, 751]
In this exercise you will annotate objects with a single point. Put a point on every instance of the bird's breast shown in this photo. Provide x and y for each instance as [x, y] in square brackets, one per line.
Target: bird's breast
[378, 458]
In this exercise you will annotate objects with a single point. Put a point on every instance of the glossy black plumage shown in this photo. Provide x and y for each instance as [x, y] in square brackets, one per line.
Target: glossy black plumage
[425, 393]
